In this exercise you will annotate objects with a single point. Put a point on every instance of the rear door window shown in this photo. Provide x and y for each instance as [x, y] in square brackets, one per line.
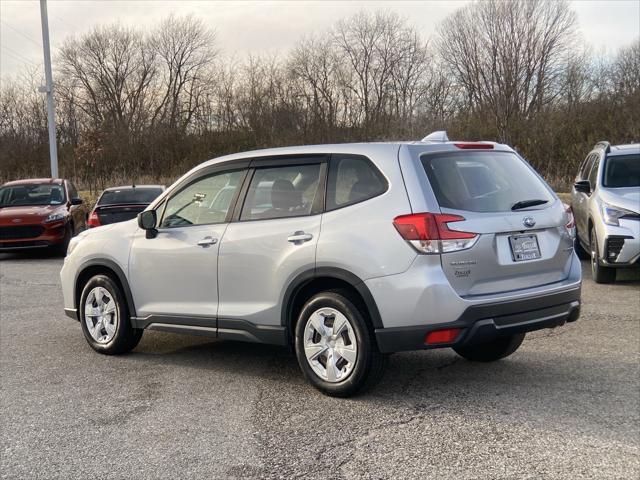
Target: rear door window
[482, 181]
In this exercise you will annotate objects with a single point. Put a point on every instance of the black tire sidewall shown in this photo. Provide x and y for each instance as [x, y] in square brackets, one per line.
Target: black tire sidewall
[492, 351]
[599, 273]
[61, 248]
[120, 340]
[358, 377]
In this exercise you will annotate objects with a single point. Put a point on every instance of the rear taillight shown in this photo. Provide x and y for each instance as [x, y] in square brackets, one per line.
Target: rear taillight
[430, 232]
[94, 220]
[569, 217]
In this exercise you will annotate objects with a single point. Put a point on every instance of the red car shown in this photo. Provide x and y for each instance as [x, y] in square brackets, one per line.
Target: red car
[39, 213]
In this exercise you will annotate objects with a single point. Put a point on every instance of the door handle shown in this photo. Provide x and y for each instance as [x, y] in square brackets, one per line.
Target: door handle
[207, 242]
[299, 237]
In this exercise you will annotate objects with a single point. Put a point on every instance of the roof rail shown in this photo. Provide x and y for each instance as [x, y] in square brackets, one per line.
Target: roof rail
[436, 137]
[604, 145]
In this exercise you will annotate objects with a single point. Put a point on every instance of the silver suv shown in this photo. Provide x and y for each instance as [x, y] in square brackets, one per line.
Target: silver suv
[344, 252]
[606, 205]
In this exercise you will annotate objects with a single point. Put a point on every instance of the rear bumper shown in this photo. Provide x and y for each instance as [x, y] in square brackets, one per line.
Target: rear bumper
[484, 322]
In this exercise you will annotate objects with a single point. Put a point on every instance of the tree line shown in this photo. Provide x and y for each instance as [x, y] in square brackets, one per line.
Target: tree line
[141, 106]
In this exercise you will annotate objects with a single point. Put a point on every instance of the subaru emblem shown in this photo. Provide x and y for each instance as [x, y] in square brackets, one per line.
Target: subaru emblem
[529, 222]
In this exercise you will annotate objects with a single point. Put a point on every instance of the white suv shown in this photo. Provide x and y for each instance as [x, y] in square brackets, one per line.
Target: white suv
[344, 252]
[606, 204]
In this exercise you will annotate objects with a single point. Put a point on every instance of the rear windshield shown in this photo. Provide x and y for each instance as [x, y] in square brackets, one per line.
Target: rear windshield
[622, 171]
[129, 195]
[482, 181]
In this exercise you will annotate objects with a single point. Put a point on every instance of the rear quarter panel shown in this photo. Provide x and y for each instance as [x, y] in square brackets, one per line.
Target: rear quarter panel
[361, 238]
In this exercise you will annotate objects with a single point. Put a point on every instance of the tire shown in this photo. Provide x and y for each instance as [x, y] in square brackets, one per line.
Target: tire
[362, 365]
[116, 334]
[61, 248]
[599, 273]
[580, 251]
[497, 349]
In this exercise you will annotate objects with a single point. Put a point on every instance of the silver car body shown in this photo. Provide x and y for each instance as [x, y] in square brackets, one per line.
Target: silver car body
[241, 286]
[588, 209]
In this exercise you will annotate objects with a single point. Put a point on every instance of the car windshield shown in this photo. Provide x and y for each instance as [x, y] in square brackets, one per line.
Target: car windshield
[31, 195]
[484, 182]
[137, 195]
[622, 171]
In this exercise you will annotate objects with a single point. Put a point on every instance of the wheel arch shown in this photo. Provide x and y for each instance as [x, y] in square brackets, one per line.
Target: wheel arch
[107, 267]
[313, 281]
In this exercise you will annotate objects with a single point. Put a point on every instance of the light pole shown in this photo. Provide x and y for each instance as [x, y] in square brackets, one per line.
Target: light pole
[48, 88]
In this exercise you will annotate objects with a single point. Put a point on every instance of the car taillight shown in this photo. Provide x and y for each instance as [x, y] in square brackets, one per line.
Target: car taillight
[94, 220]
[569, 215]
[430, 232]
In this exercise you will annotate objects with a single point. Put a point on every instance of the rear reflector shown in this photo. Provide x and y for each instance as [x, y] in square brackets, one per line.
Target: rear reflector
[430, 232]
[448, 335]
[474, 146]
[94, 220]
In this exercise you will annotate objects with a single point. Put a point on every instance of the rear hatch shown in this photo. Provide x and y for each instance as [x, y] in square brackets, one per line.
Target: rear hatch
[522, 239]
[120, 204]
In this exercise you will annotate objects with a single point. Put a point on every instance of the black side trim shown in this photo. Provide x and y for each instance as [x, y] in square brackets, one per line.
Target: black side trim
[225, 328]
[237, 329]
[71, 313]
[113, 266]
[482, 323]
[184, 329]
[184, 320]
[329, 272]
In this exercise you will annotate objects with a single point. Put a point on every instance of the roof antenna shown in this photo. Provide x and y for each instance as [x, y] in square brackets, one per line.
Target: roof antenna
[436, 137]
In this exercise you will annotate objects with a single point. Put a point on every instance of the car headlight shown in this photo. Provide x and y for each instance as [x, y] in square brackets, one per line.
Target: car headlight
[612, 215]
[54, 217]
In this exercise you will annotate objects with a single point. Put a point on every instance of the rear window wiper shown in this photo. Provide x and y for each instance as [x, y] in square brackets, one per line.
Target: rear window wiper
[528, 203]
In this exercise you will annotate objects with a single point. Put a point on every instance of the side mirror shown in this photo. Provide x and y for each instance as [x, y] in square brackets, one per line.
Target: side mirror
[77, 201]
[147, 221]
[583, 186]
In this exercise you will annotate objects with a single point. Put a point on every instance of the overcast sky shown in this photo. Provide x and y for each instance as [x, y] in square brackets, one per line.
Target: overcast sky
[263, 26]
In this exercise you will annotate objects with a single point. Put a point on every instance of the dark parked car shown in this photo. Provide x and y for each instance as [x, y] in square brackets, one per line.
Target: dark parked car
[39, 213]
[118, 204]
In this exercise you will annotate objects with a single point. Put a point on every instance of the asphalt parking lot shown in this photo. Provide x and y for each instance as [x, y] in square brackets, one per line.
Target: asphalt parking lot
[566, 405]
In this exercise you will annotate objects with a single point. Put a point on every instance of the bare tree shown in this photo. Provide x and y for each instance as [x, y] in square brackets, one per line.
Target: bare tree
[135, 105]
[185, 48]
[508, 56]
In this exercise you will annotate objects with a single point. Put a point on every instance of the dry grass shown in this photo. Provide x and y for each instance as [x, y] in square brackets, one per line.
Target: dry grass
[565, 197]
[89, 198]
